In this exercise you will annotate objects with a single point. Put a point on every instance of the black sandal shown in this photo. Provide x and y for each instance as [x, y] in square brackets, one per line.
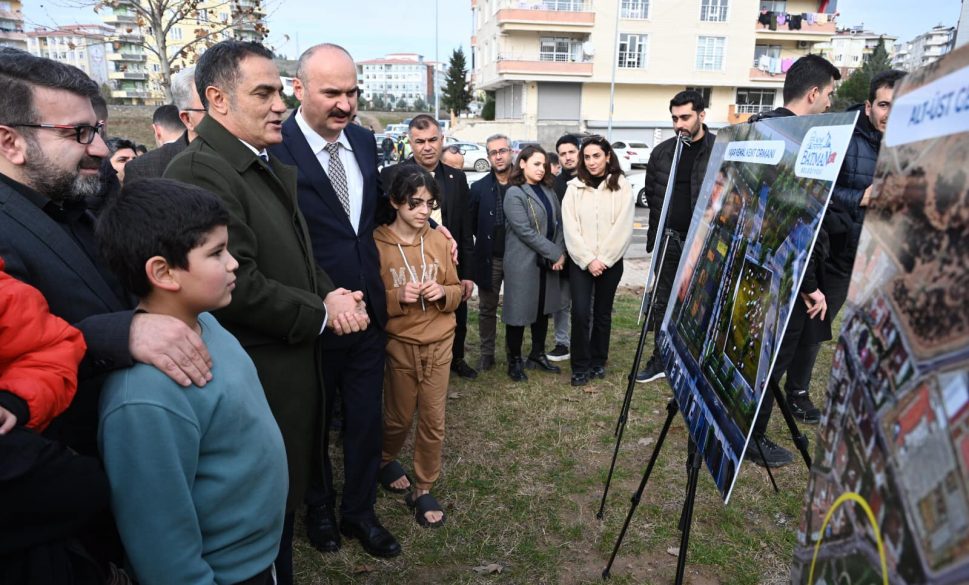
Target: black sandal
[422, 505]
[390, 473]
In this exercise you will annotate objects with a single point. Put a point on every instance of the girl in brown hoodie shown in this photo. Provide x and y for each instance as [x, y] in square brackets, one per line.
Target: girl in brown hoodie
[423, 291]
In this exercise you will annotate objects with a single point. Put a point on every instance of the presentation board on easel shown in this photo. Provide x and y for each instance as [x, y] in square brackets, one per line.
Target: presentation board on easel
[760, 207]
[888, 496]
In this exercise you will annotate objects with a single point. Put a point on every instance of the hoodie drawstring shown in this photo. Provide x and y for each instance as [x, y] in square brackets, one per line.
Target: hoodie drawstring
[413, 272]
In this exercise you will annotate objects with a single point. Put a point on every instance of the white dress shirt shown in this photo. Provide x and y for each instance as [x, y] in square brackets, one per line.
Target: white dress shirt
[354, 175]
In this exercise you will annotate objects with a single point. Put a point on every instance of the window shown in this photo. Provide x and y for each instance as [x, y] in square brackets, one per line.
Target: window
[635, 9]
[706, 92]
[767, 51]
[774, 5]
[176, 33]
[709, 53]
[559, 49]
[632, 51]
[753, 100]
[714, 10]
[203, 15]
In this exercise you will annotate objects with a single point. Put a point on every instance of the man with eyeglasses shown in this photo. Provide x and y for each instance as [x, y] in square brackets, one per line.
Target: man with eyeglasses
[427, 142]
[190, 112]
[488, 220]
[687, 110]
[50, 152]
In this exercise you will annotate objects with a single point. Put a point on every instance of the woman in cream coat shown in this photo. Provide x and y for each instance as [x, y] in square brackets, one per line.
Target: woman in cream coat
[597, 217]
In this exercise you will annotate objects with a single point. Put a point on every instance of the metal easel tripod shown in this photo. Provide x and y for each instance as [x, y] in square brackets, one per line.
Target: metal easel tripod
[647, 308]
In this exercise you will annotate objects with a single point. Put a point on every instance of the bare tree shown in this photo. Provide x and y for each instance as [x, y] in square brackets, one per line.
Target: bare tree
[213, 20]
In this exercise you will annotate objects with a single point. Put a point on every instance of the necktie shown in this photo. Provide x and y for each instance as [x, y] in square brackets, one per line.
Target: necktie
[338, 176]
[264, 157]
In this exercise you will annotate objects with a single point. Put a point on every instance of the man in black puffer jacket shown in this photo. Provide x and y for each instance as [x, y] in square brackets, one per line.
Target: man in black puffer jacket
[687, 110]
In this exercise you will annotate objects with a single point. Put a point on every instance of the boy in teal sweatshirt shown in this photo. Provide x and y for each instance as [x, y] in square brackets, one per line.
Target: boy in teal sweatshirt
[198, 475]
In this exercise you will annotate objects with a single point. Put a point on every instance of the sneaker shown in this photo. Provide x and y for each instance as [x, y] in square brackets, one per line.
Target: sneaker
[773, 454]
[803, 409]
[652, 371]
[597, 372]
[461, 368]
[580, 379]
[559, 354]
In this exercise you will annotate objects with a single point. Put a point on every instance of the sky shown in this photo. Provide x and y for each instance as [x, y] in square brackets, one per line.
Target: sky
[373, 28]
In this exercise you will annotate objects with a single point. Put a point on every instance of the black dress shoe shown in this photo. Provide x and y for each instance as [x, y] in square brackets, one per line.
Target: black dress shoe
[461, 368]
[321, 529]
[597, 372]
[580, 379]
[374, 538]
[516, 370]
[541, 363]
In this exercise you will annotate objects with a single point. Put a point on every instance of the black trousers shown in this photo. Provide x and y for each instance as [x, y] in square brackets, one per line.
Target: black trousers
[595, 296]
[664, 281]
[460, 332]
[515, 334]
[354, 375]
[53, 513]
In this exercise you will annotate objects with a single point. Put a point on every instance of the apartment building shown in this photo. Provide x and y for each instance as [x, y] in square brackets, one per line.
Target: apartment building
[551, 63]
[400, 76]
[850, 48]
[135, 71]
[924, 49]
[12, 25]
[84, 46]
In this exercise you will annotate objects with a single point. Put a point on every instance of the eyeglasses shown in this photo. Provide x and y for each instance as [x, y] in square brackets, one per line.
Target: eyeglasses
[83, 133]
[499, 151]
[593, 139]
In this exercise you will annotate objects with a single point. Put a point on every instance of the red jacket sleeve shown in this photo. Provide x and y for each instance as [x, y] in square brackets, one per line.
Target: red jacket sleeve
[39, 353]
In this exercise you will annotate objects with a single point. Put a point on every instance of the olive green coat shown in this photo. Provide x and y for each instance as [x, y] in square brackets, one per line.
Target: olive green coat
[277, 308]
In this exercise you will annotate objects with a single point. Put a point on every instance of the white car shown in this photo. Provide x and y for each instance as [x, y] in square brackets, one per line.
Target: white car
[637, 184]
[633, 151]
[475, 156]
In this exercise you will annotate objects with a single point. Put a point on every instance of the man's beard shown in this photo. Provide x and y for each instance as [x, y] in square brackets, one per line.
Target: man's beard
[57, 184]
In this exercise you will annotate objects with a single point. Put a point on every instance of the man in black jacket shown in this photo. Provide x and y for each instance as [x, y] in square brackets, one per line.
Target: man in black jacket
[567, 149]
[427, 142]
[488, 221]
[688, 112]
[807, 90]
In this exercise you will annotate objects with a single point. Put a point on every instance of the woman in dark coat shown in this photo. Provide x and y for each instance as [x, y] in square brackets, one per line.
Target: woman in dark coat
[533, 260]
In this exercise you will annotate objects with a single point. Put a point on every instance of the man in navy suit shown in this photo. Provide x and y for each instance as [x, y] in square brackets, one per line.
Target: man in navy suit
[338, 193]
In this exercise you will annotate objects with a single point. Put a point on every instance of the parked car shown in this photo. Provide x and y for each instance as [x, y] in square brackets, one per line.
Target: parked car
[475, 156]
[637, 184]
[518, 145]
[634, 151]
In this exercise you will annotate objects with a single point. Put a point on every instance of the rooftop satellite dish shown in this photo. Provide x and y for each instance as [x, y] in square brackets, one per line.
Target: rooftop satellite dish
[588, 49]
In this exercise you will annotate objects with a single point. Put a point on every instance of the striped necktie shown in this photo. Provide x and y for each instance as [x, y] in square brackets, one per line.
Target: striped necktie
[338, 176]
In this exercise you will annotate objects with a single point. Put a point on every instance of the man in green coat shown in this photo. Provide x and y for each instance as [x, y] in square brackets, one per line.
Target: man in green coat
[282, 300]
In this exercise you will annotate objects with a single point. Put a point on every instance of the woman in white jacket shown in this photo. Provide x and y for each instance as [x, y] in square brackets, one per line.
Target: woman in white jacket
[597, 217]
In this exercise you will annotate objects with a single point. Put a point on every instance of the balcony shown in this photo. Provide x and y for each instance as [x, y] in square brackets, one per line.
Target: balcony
[121, 19]
[17, 36]
[550, 16]
[758, 75]
[817, 28]
[129, 57]
[135, 75]
[128, 93]
[545, 68]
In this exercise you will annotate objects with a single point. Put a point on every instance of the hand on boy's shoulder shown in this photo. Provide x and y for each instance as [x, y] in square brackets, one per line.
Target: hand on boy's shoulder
[171, 346]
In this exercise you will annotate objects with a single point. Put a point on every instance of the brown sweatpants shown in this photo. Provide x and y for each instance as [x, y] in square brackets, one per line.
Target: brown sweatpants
[416, 378]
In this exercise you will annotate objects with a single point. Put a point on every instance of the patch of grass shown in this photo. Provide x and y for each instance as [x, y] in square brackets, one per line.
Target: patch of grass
[524, 466]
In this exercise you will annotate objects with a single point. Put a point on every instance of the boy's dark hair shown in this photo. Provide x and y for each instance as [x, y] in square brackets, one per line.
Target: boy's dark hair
[219, 65]
[141, 149]
[805, 74]
[613, 170]
[167, 117]
[553, 159]
[567, 139]
[405, 185]
[115, 144]
[155, 217]
[20, 72]
[884, 79]
[517, 175]
[689, 96]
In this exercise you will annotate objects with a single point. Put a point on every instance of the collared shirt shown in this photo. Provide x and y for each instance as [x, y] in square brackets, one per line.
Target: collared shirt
[351, 168]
